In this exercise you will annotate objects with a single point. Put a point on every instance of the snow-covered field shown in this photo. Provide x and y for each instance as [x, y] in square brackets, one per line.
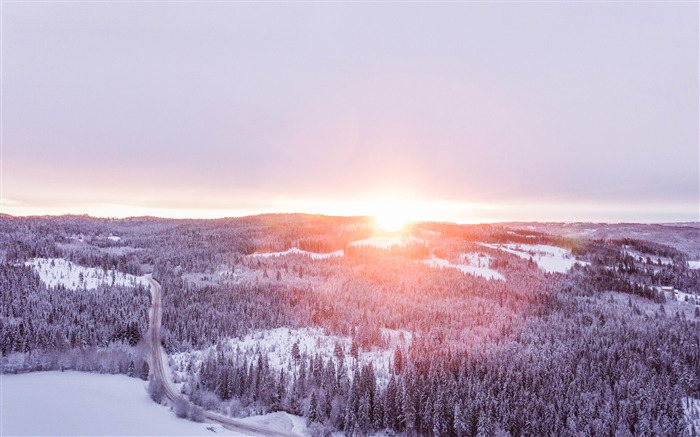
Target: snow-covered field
[294, 250]
[74, 403]
[277, 345]
[472, 264]
[58, 271]
[386, 242]
[551, 259]
[694, 264]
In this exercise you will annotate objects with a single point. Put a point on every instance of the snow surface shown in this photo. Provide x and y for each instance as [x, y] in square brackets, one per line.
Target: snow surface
[643, 256]
[75, 403]
[279, 421]
[472, 264]
[551, 259]
[691, 409]
[386, 242]
[58, 271]
[277, 344]
[294, 250]
[679, 295]
[694, 264]
[114, 238]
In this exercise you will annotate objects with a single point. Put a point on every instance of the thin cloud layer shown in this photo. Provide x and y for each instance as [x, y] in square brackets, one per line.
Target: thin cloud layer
[580, 111]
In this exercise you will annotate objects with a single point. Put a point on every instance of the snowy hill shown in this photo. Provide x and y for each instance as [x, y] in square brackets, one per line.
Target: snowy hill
[58, 271]
[277, 345]
[549, 258]
[472, 264]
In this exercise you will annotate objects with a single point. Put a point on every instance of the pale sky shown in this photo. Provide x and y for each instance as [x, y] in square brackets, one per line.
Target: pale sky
[448, 111]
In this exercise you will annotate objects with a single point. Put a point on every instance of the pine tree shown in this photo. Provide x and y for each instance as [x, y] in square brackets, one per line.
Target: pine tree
[280, 392]
[377, 413]
[408, 409]
[459, 423]
[294, 398]
[437, 418]
[312, 415]
[338, 352]
[484, 427]
[144, 371]
[350, 420]
[398, 360]
[296, 355]
[364, 414]
[354, 349]
[390, 405]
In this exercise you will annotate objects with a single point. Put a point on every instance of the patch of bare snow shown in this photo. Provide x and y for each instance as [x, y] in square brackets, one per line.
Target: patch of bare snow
[114, 238]
[694, 264]
[679, 296]
[279, 421]
[551, 259]
[643, 257]
[386, 242]
[277, 345]
[472, 264]
[294, 250]
[58, 271]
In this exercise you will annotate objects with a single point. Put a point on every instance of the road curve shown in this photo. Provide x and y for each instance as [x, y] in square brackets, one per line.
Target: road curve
[171, 392]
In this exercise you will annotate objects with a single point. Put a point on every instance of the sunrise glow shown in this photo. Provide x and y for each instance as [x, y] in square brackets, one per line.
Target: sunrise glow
[389, 222]
[349, 218]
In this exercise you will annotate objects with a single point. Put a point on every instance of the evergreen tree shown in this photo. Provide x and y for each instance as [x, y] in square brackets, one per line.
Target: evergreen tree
[398, 360]
[312, 415]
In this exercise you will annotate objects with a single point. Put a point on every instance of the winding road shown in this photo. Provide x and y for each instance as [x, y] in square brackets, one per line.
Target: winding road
[172, 392]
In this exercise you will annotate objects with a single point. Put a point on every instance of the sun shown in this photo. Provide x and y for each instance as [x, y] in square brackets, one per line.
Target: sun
[393, 214]
[390, 222]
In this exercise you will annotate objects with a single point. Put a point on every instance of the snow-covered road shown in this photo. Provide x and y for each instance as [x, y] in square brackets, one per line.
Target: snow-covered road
[159, 372]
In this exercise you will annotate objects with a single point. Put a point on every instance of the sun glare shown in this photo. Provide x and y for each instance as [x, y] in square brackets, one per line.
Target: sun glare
[393, 215]
[390, 222]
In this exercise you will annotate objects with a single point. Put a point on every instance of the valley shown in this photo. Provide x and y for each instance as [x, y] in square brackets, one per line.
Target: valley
[313, 325]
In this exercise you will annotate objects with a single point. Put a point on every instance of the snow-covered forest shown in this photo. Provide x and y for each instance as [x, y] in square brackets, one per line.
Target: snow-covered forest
[463, 330]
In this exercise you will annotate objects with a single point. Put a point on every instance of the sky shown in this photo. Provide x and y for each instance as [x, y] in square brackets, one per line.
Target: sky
[466, 112]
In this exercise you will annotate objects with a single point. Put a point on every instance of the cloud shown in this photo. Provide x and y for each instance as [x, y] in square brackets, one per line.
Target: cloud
[461, 102]
[9, 202]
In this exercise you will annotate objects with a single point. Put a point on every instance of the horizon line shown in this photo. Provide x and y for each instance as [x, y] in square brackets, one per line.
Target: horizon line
[360, 216]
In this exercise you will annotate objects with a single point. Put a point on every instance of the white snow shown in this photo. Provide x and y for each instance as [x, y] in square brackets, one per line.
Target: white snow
[277, 344]
[74, 403]
[679, 295]
[58, 271]
[643, 256]
[476, 264]
[691, 410]
[686, 297]
[294, 250]
[386, 242]
[114, 238]
[280, 421]
[694, 264]
[549, 258]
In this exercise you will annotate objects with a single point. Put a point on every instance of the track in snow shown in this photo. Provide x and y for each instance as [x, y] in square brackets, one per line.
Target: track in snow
[158, 372]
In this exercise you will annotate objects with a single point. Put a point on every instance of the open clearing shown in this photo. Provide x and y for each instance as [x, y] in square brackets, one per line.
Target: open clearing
[75, 403]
